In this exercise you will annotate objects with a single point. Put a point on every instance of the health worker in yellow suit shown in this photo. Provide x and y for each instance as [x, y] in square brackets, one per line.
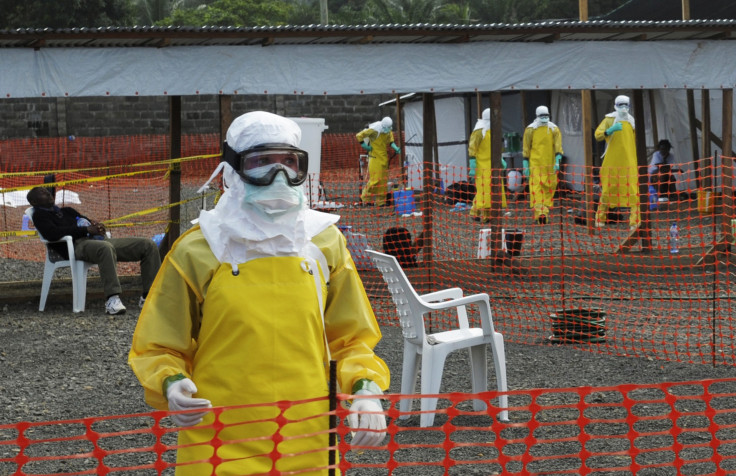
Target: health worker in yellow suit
[619, 173]
[479, 150]
[542, 152]
[375, 140]
[241, 316]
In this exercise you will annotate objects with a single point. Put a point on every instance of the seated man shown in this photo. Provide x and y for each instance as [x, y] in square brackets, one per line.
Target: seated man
[90, 244]
[661, 170]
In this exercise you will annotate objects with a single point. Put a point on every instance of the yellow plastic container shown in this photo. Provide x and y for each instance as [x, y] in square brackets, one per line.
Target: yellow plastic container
[705, 201]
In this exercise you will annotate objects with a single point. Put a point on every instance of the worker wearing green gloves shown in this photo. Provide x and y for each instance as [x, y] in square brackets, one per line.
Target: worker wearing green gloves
[375, 139]
[542, 152]
[618, 174]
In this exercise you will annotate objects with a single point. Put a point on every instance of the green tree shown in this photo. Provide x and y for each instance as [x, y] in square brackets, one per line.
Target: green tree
[402, 11]
[65, 13]
[233, 13]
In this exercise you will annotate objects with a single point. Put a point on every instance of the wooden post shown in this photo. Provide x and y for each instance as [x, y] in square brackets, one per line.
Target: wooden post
[643, 232]
[496, 174]
[653, 114]
[585, 105]
[693, 134]
[429, 160]
[685, 9]
[402, 146]
[727, 187]
[583, 7]
[707, 180]
[174, 173]
[727, 236]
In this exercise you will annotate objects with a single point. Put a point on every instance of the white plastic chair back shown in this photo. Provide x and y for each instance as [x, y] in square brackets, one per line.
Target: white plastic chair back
[433, 348]
[55, 261]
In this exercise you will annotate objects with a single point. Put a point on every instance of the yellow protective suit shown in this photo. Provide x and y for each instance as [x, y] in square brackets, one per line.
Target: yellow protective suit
[375, 190]
[541, 144]
[255, 338]
[479, 146]
[619, 174]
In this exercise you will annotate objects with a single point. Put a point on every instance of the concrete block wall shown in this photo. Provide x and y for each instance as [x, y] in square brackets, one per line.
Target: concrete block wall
[115, 116]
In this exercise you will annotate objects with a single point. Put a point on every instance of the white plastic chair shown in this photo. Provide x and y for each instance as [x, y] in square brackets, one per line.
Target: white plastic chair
[434, 348]
[55, 261]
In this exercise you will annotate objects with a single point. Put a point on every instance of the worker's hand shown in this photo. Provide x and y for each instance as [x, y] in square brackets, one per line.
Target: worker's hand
[367, 414]
[396, 148]
[503, 163]
[471, 166]
[179, 394]
[616, 127]
[558, 158]
[367, 147]
[525, 162]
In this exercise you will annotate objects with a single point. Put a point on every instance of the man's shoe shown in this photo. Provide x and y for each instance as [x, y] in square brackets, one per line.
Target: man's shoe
[114, 306]
[599, 224]
[141, 302]
[542, 219]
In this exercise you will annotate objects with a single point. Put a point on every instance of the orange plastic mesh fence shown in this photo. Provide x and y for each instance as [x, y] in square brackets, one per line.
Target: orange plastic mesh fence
[606, 289]
[682, 428]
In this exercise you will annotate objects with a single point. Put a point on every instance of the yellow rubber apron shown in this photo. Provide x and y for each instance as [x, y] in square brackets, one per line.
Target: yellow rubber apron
[542, 175]
[482, 202]
[261, 341]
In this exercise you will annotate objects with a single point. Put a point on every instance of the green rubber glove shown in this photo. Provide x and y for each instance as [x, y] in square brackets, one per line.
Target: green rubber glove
[558, 157]
[616, 127]
[526, 167]
[395, 148]
[503, 163]
[367, 147]
[471, 168]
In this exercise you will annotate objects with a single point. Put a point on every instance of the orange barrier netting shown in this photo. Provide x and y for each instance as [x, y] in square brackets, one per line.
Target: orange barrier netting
[685, 427]
[564, 281]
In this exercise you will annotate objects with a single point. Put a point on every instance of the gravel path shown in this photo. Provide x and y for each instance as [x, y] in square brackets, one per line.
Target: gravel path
[58, 365]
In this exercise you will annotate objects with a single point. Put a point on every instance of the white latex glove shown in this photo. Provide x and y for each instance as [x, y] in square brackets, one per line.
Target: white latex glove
[180, 398]
[357, 420]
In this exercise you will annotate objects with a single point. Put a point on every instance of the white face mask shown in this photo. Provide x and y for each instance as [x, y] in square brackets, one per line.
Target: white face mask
[274, 200]
[623, 111]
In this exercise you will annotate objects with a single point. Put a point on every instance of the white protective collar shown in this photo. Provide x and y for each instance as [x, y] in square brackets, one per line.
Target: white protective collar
[629, 118]
[237, 234]
[484, 124]
[537, 123]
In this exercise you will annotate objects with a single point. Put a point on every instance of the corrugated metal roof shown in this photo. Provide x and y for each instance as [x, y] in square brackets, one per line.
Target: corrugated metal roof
[550, 31]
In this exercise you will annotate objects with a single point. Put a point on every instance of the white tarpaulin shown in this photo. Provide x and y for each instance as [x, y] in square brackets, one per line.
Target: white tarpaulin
[341, 69]
[451, 141]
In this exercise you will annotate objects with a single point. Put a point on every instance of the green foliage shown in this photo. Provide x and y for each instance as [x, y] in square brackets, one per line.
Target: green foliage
[233, 13]
[97, 13]
[65, 13]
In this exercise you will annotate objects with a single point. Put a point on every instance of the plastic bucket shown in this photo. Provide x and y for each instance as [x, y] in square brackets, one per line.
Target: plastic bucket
[705, 201]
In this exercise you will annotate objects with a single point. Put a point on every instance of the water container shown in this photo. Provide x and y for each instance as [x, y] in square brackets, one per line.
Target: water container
[653, 198]
[674, 239]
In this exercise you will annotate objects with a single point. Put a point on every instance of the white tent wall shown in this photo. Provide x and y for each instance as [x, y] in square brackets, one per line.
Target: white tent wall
[450, 117]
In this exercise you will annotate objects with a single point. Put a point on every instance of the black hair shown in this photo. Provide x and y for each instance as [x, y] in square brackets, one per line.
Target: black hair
[664, 142]
[397, 242]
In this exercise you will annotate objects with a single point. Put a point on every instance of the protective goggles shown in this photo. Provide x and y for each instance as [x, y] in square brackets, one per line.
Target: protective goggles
[623, 104]
[260, 165]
